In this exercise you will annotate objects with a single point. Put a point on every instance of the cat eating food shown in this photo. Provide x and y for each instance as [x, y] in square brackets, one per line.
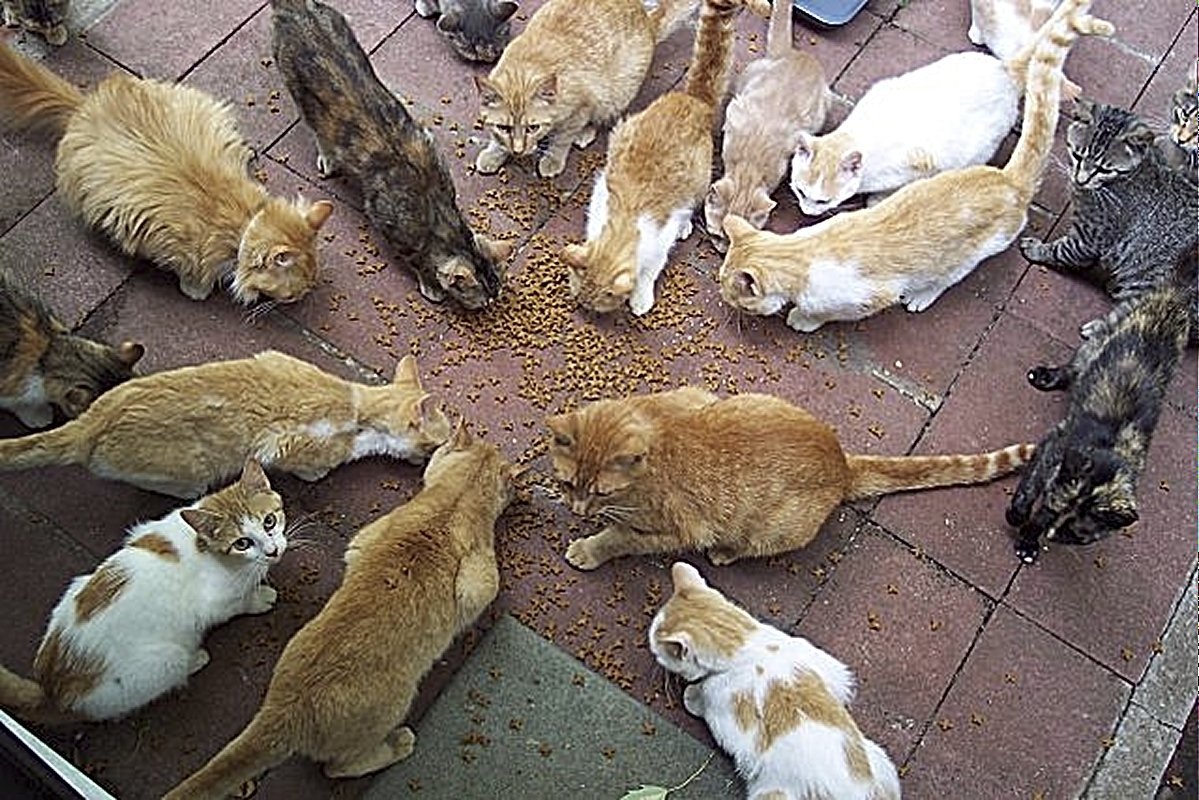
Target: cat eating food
[132, 630]
[161, 169]
[476, 29]
[181, 431]
[775, 703]
[45, 17]
[749, 475]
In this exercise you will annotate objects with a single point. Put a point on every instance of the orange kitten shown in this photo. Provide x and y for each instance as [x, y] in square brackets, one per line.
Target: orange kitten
[161, 169]
[574, 68]
[414, 580]
[750, 475]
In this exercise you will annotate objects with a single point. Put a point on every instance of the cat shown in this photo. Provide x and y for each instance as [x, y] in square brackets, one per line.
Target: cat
[749, 475]
[44, 366]
[363, 130]
[280, 410]
[131, 631]
[775, 702]
[919, 241]
[566, 74]
[45, 17]
[1182, 146]
[161, 169]
[778, 96]
[1082, 480]
[414, 580]
[1005, 27]
[1133, 214]
[476, 29]
[657, 172]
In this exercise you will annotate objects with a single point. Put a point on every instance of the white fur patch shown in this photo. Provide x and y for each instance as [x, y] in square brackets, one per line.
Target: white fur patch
[30, 405]
[378, 443]
[653, 250]
[597, 210]
[836, 290]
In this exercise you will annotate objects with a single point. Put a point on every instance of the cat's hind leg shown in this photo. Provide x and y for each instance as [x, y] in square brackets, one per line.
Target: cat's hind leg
[396, 746]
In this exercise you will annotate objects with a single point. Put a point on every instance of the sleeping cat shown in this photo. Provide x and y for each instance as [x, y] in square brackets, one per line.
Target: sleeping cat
[778, 96]
[161, 169]
[44, 366]
[1081, 484]
[363, 130]
[1006, 27]
[658, 167]
[414, 580]
[476, 29]
[45, 17]
[567, 74]
[181, 431]
[919, 241]
[131, 631]
[1182, 149]
[775, 703]
[750, 475]
[1134, 215]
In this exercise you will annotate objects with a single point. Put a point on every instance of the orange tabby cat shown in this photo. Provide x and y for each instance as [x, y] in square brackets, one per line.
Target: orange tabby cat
[161, 169]
[750, 475]
[919, 241]
[574, 68]
[414, 580]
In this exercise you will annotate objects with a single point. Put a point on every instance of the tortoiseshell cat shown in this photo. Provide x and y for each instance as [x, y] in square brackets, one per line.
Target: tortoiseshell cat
[1182, 149]
[44, 366]
[750, 475]
[363, 130]
[1081, 484]
[476, 29]
[414, 580]
[775, 703]
[45, 17]
[132, 630]
[182, 431]
[161, 169]
[1134, 215]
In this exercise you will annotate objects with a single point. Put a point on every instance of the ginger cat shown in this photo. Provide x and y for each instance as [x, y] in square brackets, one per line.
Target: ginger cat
[658, 167]
[919, 241]
[573, 69]
[182, 431]
[414, 580]
[161, 169]
[750, 475]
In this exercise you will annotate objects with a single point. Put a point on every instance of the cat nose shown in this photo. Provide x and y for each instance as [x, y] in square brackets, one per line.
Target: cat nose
[271, 552]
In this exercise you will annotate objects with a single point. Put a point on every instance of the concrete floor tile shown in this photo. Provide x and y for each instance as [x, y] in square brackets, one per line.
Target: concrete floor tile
[891, 52]
[942, 22]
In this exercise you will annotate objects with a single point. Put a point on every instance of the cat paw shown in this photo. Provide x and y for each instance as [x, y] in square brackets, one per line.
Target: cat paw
[1027, 551]
[685, 231]
[1043, 378]
[402, 741]
[491, 158]
[1032, 249]
[585, 137]
[200, 660]
[263, 600]
[35, 416]
[1090, 328]
[428, 8]
[579, 555]
[974, 35]
[431, 291]
[641, 304]
[195, 291]
[1015, 516]
[797, 321]
[722, 556]
[324, 165]
[693, 700]
[310, 475]
[551, 165]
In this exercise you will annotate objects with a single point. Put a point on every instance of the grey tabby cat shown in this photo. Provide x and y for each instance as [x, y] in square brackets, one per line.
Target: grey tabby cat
[478, 30]
[45, 17]
[1134, 215]
[1182, 148]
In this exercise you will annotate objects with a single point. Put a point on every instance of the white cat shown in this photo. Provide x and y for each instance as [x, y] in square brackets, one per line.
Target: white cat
[131, 631]
[775, 702]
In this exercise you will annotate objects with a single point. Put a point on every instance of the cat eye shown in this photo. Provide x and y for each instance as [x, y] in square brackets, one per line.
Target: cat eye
[504, 128]
[268, 522]
[243, 544]
[562, 440]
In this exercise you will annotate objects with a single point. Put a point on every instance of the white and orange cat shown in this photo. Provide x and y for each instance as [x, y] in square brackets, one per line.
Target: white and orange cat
[132, 630]
[182, 431]
[161, 169]
[1007, 27]
[919, 241]
[778, 96]
[573, 70]
[744, 476]
[414, 580]
[776, 703]
[658, 167]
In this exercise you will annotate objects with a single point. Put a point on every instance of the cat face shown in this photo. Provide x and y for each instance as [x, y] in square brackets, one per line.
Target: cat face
[519, 113]
[697, 631]
[478, 30]
[742, 282]
[76, 371]
[1105, 144]
[598, 454]
[727, 197]
[475, 276]
[243, 522]
[602, 273]
[823, 176]
[277, 256]
[406, 410]
[1184, 121]
[47, 17]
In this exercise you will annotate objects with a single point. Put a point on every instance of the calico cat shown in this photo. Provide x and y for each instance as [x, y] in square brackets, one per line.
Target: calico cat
[131, 631]
[280, 410]
[1006, 27]
[1134, 215]
[919, 241]
[566, 74]
[775, 703]
[44, 366]
[414, 580]
[363, 129]
[749, 475]
[1183, 152]
[45, 17]
[476, 29]
[161, 169]
[658, 167]
[1081, 484]
[778, 96]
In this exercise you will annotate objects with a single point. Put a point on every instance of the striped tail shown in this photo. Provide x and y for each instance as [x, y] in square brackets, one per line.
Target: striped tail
[255, 750]
[712, 59]
[61, 445]
[32, 97]
[871, 476]
[780, 33]
[669, 16]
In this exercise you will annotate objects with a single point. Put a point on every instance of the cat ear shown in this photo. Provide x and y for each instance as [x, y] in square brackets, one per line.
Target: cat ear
[575, 255]
[461, 439]
[735, 226]
[253, 479]
[318, 214]
[685, 576]
[488, 95]
[761, 207]
[1084, 111]
[495, 249]
[804, 147]
[851, 163]
[559, 425]
[676, 646]
[425, 407]
[206, 524]
[129, 353]
[406, 374]
[718, 195]
[746, 283]
[501, 10]
[547, 89]
[449, 22]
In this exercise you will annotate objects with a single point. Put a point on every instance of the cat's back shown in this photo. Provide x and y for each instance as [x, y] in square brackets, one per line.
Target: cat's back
[762, 428]
[662, 157]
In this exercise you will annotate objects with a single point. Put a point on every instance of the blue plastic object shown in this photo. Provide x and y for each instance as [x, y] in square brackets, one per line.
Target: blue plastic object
[828, 13]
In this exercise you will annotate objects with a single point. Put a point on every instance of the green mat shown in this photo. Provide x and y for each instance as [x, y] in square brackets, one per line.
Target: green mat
[524, 720]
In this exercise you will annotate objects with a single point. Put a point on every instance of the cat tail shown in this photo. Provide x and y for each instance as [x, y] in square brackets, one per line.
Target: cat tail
[61, 445]
[712, 59]
[780, 33]
[871, 476]
[32, 97]
[26, 700]
[669, 16]
[255, 750]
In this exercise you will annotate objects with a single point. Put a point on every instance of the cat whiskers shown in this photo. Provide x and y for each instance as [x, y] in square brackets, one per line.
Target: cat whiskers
[260, 310]
[618, 514]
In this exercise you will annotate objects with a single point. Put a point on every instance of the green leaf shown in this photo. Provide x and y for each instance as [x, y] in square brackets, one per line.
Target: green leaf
[646, 793]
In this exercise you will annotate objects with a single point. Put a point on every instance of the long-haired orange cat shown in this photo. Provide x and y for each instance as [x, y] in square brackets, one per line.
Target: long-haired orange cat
[750, 475]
